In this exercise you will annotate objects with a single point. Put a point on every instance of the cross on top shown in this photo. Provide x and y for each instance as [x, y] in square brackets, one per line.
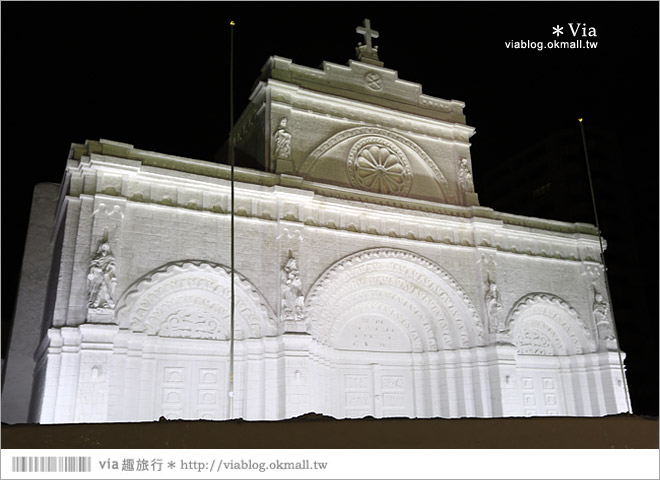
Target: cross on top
[367, 32]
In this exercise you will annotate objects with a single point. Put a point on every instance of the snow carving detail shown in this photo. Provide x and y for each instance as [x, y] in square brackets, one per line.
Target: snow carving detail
[601, 312]
[282, 141]
[102, 279]
[293, 301]
[556, 318]
[377, 165]
[494, 307]
[412, 293]
[191, 299]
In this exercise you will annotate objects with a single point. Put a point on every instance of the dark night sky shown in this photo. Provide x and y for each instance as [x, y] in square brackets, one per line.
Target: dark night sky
[156, 75]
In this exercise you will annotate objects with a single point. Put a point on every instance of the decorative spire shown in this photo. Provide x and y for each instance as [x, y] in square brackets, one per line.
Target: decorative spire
[367, 53]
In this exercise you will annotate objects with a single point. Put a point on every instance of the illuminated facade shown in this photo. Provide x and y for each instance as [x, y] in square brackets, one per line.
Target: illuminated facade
[368, 280]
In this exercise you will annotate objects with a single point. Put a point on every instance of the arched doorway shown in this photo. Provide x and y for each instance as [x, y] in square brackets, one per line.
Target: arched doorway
[175, 325]
[385, 322]
[549, 335]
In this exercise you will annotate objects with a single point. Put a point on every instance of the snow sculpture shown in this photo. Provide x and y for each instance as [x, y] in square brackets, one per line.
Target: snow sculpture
[282, 141]
[293, 300]
[101, 279]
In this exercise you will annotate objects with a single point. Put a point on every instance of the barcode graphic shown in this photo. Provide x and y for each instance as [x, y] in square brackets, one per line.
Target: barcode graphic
[51, 464]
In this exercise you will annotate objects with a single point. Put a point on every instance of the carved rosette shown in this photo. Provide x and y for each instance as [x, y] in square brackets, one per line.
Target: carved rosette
[378, 165]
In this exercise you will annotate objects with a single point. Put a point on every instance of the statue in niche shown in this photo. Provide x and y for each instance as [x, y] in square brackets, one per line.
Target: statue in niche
[465, 176]
[601, 312]
[494, 307]
[293, 300]
[282, 140]
[101, 279]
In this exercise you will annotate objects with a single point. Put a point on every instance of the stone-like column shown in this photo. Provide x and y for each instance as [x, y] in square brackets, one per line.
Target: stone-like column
[96, 350]
[297, 394]
[67, 379]
[504, 388]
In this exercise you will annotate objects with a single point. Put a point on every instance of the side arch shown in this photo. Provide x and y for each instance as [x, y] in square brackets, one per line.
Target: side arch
[191, 299]
[391, 300]
[544, 324]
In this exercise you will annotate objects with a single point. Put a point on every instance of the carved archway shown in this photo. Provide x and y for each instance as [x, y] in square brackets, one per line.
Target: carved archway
[191, 299]
[544, 324]
[386, 141]
[391, 300]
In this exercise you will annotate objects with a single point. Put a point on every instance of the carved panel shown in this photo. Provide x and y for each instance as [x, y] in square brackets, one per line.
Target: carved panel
[373, 334]
[533, 342]
[191, 300]
[401, 286]
[557, 319]
[371, 133]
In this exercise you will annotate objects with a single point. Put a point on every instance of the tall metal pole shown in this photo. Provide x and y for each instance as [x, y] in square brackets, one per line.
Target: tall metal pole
[231, 162]
[602, 259]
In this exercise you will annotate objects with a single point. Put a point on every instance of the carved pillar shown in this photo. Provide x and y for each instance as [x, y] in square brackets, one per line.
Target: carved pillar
[504, 389]
[297, 374]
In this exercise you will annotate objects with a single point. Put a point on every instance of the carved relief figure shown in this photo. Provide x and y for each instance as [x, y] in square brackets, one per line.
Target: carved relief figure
[601, 312]
[101, 279]
[494, 307]
[293, 300]
[464, 176]
[282, 140]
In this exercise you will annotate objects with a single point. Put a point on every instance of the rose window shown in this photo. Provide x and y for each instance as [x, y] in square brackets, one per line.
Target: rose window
[378, 165]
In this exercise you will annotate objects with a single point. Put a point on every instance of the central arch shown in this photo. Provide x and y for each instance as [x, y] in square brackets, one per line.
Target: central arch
[405, 291]
[381, 319]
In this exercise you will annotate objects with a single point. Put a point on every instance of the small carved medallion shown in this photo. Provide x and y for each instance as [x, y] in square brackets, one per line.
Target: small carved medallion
[378, 165]
[373, 81]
